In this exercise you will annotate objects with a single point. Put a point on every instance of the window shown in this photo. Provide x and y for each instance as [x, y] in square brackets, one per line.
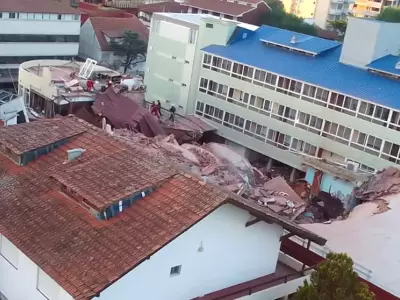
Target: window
[76, 17]
[12, 15]
[200, 107]
[192, 37]
[373, 113]
[255, 130]
[1, 15]
[207, 61]
[9, 251]
[209, 25]
[343, 104]
[367, 143]
[47, 286]
[309, 122]
[38, 38]
[175, 270]
[203, 85]
[213, 113]
[234, 122]
[59, 17]
[391, 152]
[337, 132]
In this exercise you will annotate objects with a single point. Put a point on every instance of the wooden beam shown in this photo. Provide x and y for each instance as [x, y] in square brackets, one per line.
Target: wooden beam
[252, 222]
[286, 236]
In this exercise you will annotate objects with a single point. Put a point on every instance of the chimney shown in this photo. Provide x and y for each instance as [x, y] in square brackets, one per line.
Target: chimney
[74, 153]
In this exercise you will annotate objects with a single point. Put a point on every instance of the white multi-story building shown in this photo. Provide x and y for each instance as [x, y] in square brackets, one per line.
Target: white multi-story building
[47, 29]
[282, 94]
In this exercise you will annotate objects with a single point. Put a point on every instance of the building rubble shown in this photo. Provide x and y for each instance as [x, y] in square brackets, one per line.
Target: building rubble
[220, 165]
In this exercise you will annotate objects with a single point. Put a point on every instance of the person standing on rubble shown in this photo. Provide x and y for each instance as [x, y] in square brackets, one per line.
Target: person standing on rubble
[159, 107]
[154, 110]
[172, 110]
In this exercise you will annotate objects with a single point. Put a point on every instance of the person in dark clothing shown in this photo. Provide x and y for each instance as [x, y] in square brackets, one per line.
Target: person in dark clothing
[172, 110]
[159, 107]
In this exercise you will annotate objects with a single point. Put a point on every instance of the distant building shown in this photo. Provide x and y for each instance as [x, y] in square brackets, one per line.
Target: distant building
[97, 34]
[146, 11]
[248, 11]
[48, 29]
[322, 11]
[370, 9]
[70, 232]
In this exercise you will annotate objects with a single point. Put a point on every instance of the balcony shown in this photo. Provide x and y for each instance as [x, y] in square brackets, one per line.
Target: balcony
[288, 276]
[335, 11]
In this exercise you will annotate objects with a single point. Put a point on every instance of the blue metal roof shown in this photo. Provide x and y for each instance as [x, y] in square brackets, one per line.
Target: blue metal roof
[386, 64]
[323, 70]
[303, 42]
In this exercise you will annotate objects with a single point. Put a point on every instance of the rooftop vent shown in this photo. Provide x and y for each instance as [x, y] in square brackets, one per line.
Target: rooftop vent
[293, 40]
[398, 65]
[75, 153]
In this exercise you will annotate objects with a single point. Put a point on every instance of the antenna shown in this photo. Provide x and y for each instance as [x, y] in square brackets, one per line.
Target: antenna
[87, 68]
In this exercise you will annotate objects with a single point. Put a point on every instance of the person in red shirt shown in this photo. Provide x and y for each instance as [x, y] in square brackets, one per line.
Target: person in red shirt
[90, 85]
[154, 110]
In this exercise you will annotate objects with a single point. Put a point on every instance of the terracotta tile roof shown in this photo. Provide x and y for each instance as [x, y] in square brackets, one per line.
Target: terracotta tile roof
[41, 6]
[30, 136]
[166, 7]
[224, 7]
[117, 26]
[125, 175]
[85, 255]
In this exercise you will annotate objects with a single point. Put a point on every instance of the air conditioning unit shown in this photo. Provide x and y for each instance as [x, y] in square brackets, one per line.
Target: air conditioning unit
[352, 166]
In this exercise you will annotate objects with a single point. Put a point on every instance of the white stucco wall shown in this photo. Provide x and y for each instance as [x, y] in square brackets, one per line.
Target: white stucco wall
[232, 253]
[20, 282]
[88, 44]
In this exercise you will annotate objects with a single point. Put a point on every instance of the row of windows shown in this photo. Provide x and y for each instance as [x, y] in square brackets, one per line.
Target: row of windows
[38, 38]
[305, 121]
[250, 128]
[38, 16]
[21, 59]
[335, 101]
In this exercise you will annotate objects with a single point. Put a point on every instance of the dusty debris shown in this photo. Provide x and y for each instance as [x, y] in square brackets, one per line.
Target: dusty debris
[220, 165]
[384, 183]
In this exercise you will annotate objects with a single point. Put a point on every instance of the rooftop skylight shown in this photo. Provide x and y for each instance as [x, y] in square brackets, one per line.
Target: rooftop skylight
[301, 43]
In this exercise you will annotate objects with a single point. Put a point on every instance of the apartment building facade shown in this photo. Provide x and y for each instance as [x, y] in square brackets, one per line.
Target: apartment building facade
[49, 29]
[370, 9]
[319, 11]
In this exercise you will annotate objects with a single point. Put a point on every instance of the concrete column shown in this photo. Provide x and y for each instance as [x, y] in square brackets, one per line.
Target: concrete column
[270, 164]
[293, 175]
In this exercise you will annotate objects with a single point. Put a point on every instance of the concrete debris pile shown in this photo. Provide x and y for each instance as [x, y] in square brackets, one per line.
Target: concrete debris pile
[384, 183]
[215, 163]
[220, 165]
[277, 195]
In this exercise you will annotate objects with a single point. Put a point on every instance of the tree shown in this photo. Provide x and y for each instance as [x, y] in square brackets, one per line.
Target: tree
[334, 279]
[339, 25]
[277, 17]
[131, 48]
[389, 14]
